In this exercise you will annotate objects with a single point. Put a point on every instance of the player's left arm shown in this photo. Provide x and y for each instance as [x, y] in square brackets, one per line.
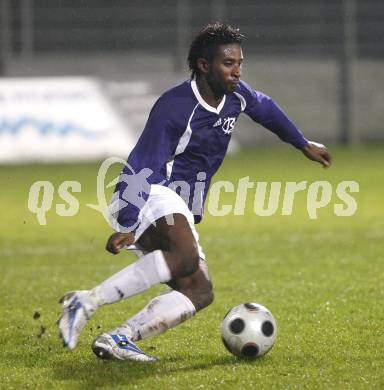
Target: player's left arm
[318, 152]
[263, 110]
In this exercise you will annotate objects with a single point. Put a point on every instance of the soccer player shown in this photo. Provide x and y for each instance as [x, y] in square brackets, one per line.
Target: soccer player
[161, 192]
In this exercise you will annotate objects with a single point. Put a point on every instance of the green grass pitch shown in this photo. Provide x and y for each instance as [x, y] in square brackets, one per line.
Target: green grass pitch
[322, 279]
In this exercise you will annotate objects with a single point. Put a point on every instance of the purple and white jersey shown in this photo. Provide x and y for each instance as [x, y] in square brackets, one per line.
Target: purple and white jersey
[185, 140]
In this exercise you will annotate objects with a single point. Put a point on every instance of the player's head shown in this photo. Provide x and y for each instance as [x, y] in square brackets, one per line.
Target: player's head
[216, 54]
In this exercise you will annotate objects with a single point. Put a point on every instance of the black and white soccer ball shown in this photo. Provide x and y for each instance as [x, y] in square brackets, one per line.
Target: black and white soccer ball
[249, 330]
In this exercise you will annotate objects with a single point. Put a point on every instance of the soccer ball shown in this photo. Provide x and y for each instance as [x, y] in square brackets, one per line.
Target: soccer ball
[249, 330]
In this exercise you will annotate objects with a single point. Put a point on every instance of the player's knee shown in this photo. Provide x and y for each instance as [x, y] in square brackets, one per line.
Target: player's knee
[207, 298]
[187, 261]
[190, 264]
[203, 298]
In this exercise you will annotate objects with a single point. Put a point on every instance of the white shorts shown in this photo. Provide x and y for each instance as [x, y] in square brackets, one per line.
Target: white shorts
[161, 202]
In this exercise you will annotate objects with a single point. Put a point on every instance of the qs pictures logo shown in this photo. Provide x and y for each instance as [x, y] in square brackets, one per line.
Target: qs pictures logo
[135, 187]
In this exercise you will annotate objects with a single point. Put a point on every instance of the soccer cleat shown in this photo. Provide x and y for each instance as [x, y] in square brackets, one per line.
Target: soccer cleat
[78, 308]
[118, 346]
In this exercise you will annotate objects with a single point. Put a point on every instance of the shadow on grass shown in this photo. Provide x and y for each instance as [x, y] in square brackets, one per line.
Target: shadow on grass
[96, 373]
[68, 368]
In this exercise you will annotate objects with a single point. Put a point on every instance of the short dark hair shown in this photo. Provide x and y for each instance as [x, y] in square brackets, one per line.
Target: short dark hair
[206, 41]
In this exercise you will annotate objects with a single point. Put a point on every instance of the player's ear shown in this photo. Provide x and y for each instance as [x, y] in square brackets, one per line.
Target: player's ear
[203, 65]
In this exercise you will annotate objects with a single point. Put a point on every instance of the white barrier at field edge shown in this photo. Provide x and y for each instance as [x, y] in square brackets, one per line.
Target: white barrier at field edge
[59, 119]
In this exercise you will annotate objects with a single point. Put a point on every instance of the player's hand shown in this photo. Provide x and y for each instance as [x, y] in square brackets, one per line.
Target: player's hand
[118, 241]
[318, 152]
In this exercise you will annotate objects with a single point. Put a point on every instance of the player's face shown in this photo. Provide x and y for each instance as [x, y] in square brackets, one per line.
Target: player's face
[225, 69]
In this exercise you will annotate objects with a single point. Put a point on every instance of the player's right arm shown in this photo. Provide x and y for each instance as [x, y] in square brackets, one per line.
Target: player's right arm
[118, 241]
[145, 162]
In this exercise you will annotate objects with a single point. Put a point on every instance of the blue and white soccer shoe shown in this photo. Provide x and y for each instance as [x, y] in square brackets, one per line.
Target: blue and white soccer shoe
[78, 308]
[117, 346]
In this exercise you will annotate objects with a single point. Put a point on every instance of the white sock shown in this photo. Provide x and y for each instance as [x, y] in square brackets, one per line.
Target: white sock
[149, 270]
[163, 312]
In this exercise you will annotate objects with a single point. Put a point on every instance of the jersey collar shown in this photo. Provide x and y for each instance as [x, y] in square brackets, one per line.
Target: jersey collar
[203, 102]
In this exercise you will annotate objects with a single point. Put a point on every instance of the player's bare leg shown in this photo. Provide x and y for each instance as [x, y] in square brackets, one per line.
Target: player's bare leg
[177, 258]
[79, 306]
[192, 289]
